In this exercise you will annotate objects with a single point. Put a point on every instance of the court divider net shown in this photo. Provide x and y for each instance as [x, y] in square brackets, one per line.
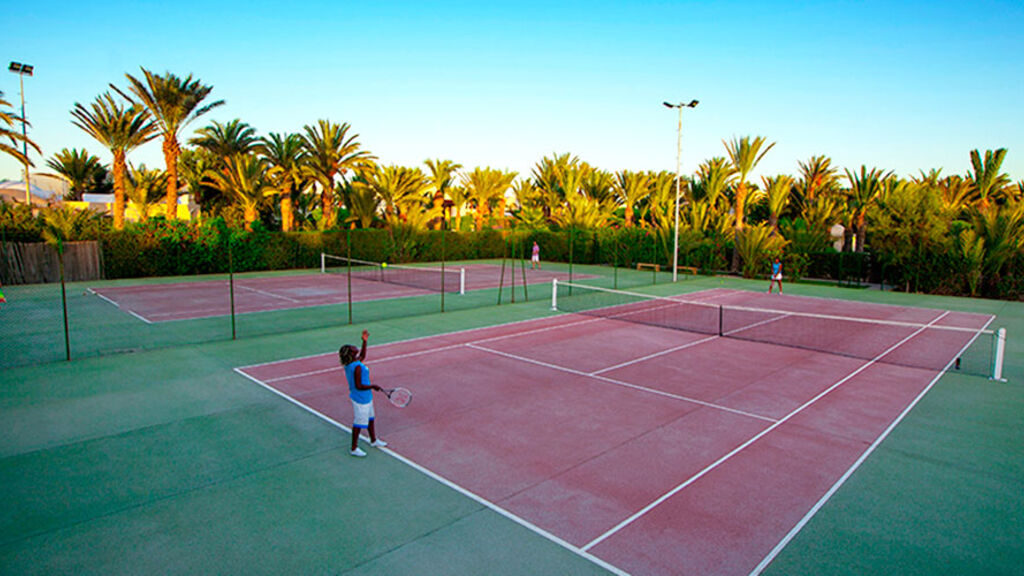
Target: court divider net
[433, 279]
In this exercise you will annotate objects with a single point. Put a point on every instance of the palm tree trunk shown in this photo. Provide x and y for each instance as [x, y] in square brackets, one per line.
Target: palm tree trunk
[171, 151]
[120, 168]
[741, 206]
[327, 203]
[862, 231]
[478, 218]
[287, 212]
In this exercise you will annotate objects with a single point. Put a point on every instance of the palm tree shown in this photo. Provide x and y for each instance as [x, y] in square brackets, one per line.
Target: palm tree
[8, 134]
[817, 176]
[1002, 231]
[487, 186]
[744, 155]
[144, 189]
[865, 188]
[64, 224]
[441, 179]
[120, 129]
[706, 209]
[193, 165]
[600, 186]
[956, 194]
[460, 197]
[756, 245]
[547, 177]
[362, 202]
[284, 153]
[245, 177]
[631, 188]
[173, 103]
[402, 189]
[330, 152]
[987, 178]
[777, 192]
[223, 140]
[78, 168]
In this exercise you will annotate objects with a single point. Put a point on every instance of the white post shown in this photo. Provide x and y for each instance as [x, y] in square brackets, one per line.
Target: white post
[462, 280]
[997, 362]
[554, 293]
[323, 263]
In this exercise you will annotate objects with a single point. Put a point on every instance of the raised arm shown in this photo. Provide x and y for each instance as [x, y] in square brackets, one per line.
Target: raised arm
[362, 352]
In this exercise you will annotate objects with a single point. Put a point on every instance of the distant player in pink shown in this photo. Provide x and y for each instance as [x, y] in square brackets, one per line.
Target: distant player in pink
[776, 276]
[535, 260]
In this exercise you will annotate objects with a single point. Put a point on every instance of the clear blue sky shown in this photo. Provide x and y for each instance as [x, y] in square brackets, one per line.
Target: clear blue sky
[906, 86]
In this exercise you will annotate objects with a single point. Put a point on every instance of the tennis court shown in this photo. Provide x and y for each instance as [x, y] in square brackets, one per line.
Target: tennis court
[167, 302]
[641, 446]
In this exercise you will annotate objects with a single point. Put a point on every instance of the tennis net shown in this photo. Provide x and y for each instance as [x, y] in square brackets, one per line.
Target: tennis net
[932, 346]
[433, 279]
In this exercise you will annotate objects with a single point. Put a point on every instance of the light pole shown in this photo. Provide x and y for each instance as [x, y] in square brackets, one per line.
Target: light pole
[22, 70]
[679, 155]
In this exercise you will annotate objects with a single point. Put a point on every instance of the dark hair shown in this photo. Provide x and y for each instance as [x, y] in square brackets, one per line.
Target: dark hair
[347, 354]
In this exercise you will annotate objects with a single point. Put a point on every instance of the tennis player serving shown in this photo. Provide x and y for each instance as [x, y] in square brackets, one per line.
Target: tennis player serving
[360, 391]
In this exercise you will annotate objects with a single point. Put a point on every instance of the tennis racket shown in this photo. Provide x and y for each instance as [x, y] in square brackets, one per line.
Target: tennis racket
[400, 397]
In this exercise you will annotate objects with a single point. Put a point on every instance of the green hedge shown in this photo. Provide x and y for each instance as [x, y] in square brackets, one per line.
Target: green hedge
[175, 248]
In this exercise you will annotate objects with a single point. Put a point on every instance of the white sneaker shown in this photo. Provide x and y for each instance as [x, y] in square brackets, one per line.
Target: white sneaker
[357, 452]
[378, 443]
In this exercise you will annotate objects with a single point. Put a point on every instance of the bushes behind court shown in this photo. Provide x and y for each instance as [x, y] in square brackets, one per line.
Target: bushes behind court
[177, 248]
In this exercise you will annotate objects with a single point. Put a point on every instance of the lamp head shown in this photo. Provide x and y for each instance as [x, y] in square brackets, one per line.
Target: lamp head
[19, 68]
[667, 105]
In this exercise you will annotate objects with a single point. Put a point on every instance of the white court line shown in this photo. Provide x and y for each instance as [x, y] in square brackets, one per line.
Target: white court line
[842, 479]
[269, 294]
[621, 383]
[426, 351]
[466, 331]
[746, 444]
[452, 485]
[655, 355]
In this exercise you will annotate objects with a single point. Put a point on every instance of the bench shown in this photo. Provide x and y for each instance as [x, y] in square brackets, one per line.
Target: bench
[657, 268]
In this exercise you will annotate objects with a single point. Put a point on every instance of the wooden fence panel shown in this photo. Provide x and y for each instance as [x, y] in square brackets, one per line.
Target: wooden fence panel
[37, 263]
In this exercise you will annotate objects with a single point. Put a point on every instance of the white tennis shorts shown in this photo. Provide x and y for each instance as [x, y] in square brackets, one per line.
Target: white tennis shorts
[362, 414]
[777, 277]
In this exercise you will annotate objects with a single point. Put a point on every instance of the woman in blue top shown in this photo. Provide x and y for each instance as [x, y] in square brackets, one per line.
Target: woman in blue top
[360, 391]
[776, 276]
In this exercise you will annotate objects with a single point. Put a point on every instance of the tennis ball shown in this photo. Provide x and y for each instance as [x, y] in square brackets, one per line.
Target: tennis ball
[384, 265]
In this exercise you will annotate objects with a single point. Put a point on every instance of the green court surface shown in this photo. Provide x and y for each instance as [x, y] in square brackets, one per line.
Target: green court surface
[166, 461]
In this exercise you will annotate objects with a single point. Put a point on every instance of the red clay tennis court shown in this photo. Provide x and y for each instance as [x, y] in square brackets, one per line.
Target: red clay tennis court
[153, 303]
[647, 449]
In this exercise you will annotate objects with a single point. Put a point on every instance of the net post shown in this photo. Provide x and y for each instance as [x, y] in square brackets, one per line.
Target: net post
[554, 293]
[720, 321]
[462, 281]
[997, 361]
[323, 263]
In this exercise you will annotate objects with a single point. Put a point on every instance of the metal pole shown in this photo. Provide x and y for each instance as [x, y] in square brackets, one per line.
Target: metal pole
[679, 155]
[442, 260]
[24, 142]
